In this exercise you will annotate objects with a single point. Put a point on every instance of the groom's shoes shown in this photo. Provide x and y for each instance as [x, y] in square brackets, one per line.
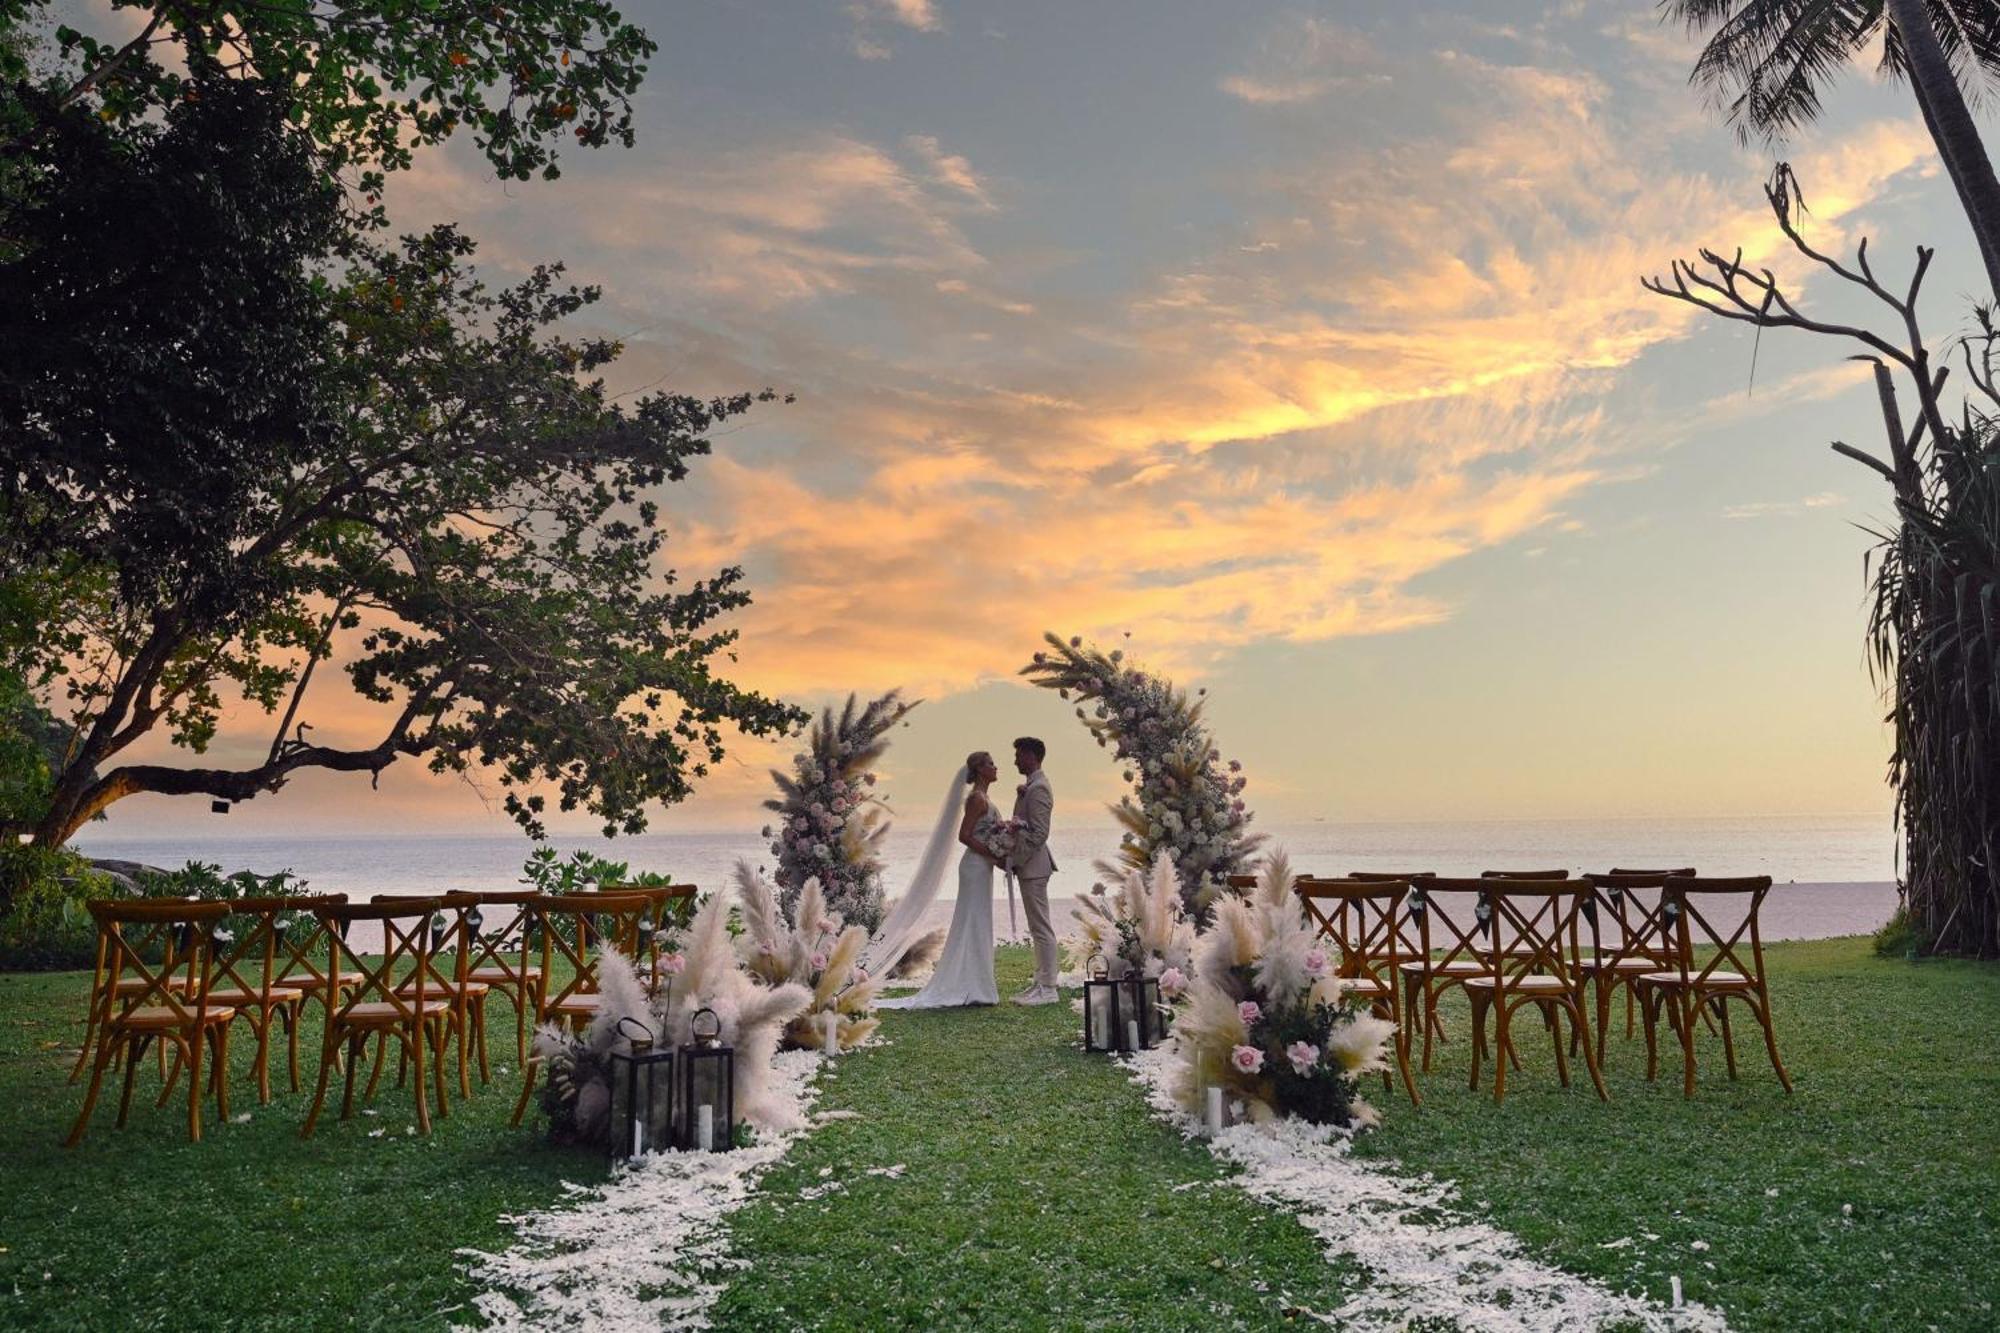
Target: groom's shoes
[1037, 995]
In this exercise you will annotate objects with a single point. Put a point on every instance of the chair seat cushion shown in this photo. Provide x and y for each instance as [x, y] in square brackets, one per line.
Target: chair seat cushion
[244, 999]
[1533, 981]
[443, 988]
[1459, 967]
[306, 981]
[1365, 986]
[381, 1012]
[1713, 981]
[1620, 965]
[505, 976]
[578, 1004]
[157, 1016]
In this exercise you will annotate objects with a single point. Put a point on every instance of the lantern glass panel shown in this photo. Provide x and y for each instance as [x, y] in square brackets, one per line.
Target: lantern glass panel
[1100, 1015]
[642, 1102]
[708, 1101]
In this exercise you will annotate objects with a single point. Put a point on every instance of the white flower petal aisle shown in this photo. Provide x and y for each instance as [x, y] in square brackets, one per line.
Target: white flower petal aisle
[1420, 1258]
[644, 1250]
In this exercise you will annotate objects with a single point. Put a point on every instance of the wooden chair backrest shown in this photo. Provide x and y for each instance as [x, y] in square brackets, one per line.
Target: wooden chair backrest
[406, 950]
[1388, 876]
[1626, 914]
[447, 953]
[179, 930]
[1366, 920]
[1534, 927]
[1524, 874]
[297, 948]
[1454, 931]
[247, 938]
[487, 943]
[1695, 902]
[601, 920]
[1620, 870]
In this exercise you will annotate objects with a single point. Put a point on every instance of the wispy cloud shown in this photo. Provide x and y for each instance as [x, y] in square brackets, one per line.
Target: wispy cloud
[1302, 59]
[1784, 508]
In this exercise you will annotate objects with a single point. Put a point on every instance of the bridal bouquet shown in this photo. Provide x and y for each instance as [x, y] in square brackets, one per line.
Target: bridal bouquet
[1186, 804]
[830, 822]
[1001, 837]
[1266, 1021]
[816, 950]
[1139, 926]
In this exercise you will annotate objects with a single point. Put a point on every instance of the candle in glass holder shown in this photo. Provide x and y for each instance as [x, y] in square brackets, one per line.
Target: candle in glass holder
[831, 1044]
[1131, 1034]
[1215, 1110]
[704, 1127]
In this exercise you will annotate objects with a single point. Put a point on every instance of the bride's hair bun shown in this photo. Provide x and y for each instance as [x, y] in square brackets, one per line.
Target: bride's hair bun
[972, 763]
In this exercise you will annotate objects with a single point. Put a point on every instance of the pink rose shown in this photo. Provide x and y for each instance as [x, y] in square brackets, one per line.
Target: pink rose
[1316, 963]
[1172, 982]
[1247, 1059]
[1303, 1055]
[765, 948]
[674, 964]
[1249, 1012]
[819, 962]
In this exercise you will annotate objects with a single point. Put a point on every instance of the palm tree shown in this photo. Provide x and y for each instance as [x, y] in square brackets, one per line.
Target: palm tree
[1767, 60]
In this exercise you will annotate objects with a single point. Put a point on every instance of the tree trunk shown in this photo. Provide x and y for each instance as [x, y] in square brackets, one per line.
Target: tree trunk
[1952, 128]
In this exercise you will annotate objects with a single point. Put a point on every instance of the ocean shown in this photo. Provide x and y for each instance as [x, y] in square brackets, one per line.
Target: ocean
[1835, 872]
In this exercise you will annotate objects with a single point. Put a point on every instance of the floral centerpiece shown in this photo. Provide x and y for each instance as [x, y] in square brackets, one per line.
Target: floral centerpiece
[1266, 1021]
[830, 822]
[1186, 804]
[816, 950]
[576, 1090]
[1139, 926]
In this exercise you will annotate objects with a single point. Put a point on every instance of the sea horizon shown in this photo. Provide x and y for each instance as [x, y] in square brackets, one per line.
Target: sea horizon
[1849, 859]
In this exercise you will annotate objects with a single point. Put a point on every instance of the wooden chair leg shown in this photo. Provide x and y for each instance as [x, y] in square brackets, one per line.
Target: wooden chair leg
[125, 1097]
[355, 1045]
[1688, 1010]
[221, 1039]
[1478, 1035]
[442, 1036]
[521, 999]
[416, 1049]
[462, 1022]
[1550, 1010]
[1649, 1009]
[479, 1031]
[1762, 1008]
[97, 1068]
[1592, 1063]
[294, 1016]
[1503, 1047]
[375, 1074]
[92, 1023]
[195, 1091]
[1605, 984]
[1728, 1038]
[329, 1054]
[528, 1072]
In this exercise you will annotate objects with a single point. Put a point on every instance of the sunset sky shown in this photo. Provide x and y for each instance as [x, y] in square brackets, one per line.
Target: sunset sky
[1305, 344]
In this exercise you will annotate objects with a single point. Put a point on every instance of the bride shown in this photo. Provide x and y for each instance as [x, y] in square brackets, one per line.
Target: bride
[964, 973]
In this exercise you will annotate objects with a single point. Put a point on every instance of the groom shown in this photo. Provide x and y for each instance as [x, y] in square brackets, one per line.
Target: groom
[1034, 804]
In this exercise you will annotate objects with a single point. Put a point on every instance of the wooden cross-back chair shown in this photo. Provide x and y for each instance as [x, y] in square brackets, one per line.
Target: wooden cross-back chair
[1685, 990]
[154, 939]
[501, 955]
[446, 968]
[1629, 936]
[573, 930]
[170, 1003]
[1448, 950]
[1531, 953]
[1367, 922]
[302, 945]
[371, 1002]
[245, 946]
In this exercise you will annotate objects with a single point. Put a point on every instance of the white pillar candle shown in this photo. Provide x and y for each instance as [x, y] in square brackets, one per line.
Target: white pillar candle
[1131, 1034]
[831, 1045]
[1215, 1110]
[1677, 1292]
[638, 1137]
[704, 1128]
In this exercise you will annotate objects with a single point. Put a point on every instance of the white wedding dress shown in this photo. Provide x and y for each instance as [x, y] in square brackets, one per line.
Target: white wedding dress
[964, 972]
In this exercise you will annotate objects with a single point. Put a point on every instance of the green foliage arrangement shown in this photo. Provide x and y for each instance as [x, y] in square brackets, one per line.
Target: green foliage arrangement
[44, 925]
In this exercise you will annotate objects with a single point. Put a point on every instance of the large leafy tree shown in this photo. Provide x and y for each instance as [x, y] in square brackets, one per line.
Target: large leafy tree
[366, 82]
[238, 464]
[1767, 61]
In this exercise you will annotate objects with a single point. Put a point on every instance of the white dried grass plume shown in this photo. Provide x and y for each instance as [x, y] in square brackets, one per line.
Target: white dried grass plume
[1362, 1045]
[621, 995]
[1232, 940]
[1288, 938]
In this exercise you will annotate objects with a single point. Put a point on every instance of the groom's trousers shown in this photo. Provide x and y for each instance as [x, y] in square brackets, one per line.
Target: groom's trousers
[1035, 901]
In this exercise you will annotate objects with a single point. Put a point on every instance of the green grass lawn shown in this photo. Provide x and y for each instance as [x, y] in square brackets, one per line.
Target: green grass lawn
[1036, 1192]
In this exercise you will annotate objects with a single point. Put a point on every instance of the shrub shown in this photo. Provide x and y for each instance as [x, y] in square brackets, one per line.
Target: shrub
[47, 927]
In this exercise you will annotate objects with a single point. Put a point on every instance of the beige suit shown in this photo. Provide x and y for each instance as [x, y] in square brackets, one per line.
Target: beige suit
[1034, 807]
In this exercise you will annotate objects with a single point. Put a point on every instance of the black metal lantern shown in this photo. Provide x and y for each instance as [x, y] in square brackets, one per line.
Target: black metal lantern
[642, 1093]
[706, 1114]
[1102, 1026]
[1140, 1004]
